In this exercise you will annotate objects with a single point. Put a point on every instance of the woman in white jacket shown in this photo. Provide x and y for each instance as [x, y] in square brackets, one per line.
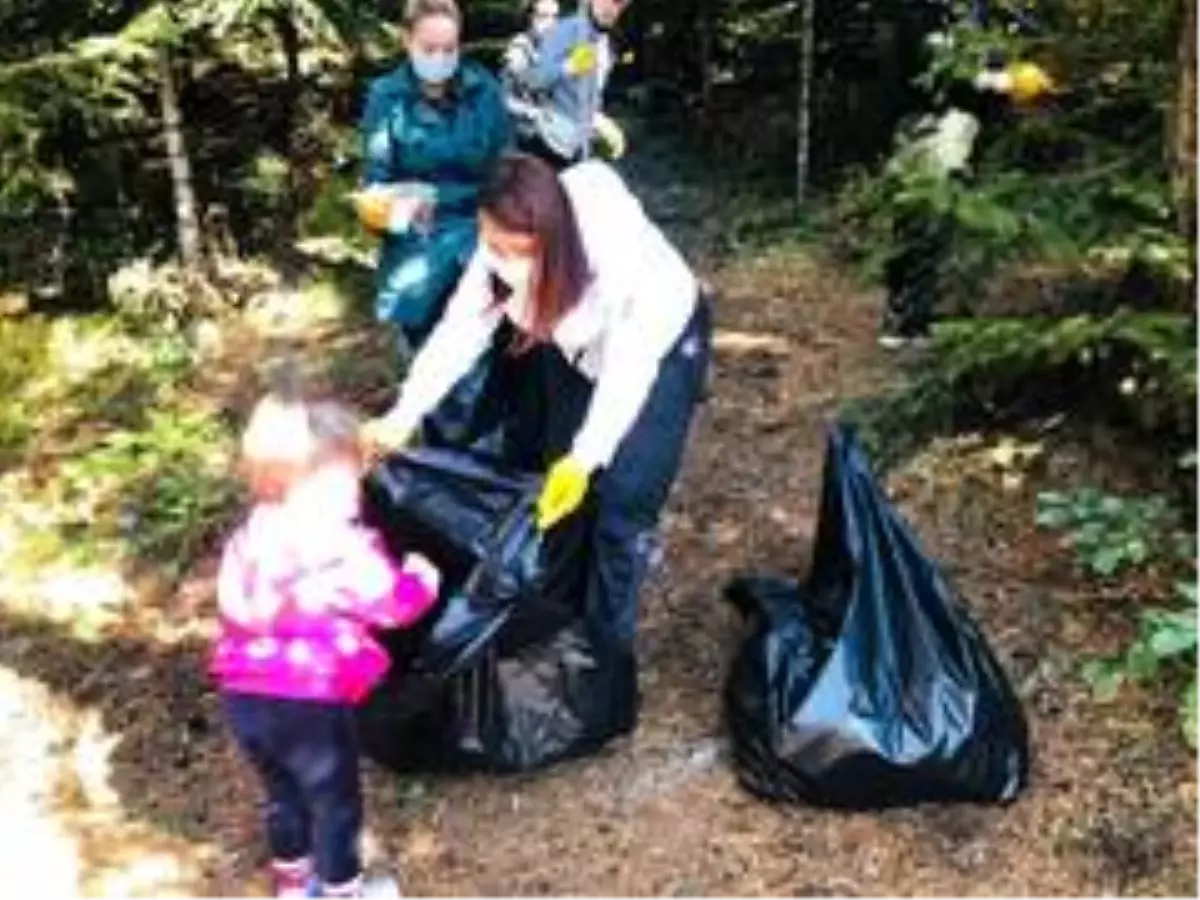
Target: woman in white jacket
[573, 262]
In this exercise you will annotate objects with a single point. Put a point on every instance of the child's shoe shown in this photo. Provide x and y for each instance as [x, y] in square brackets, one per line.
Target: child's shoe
[295, 880]
[378, 887]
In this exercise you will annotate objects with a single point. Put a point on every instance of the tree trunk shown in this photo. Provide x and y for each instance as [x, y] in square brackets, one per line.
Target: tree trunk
[187, 223]
[1183, 155]
[707, 40]
[289, 39]
[804, 100]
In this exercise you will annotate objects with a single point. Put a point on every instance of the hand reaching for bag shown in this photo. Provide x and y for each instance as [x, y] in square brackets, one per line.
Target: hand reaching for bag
[563, 493]
[380, 437]
[420, 567]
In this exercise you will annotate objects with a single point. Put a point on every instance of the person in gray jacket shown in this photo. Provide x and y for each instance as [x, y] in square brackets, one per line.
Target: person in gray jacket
[563, 90]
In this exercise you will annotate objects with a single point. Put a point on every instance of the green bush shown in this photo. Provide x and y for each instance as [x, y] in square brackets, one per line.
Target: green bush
[1112, 535]
[161, 492]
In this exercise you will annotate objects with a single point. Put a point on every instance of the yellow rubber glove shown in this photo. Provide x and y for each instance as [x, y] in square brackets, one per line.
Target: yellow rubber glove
[611, 135]
[562, 494]
[581, 60]
[1029, 82]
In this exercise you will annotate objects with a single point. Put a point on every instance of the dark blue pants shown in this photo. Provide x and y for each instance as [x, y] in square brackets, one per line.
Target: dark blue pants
[306, 755]
[532, 404]
[631, 493]
[916, 271]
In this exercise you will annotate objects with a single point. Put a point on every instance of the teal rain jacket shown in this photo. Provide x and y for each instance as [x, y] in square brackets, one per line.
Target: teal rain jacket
[449, 145]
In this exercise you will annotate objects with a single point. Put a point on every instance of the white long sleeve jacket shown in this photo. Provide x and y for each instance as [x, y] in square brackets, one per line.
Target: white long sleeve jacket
[640, 299]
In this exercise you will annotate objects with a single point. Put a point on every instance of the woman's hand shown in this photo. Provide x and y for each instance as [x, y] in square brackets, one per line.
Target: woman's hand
[611, 136]
[380, 437]
[392, 209]
[563, 492]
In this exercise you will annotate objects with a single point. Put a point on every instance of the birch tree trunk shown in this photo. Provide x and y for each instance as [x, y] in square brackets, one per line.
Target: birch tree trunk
[804, 100]
[187, 223]
[1183, 153]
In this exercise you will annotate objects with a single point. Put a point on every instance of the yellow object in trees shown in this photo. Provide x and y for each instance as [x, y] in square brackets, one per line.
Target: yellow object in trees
[1029, 82]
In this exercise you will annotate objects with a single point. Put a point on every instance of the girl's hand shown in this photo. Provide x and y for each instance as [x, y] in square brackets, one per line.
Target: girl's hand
[419, 566]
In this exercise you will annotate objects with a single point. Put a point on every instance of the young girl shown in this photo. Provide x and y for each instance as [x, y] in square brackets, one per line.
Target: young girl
[300, 585]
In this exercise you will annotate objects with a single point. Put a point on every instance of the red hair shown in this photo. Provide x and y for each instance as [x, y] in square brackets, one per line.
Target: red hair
[524, 195]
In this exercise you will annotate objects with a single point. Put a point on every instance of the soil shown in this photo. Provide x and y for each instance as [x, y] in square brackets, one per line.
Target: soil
[119, 779]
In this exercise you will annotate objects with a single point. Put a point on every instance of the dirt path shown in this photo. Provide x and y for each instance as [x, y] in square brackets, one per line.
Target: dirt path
[1112, 808]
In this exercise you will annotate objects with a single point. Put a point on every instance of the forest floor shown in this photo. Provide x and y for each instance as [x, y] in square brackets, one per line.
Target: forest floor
[117, 778]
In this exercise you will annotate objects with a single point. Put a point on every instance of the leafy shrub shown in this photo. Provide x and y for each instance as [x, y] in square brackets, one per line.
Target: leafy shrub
[1114, 534]
[164, 297]
[1166, 637]
[162, 492]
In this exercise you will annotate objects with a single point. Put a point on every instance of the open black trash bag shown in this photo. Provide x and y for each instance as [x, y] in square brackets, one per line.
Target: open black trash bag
[868, 686]
[506, 674]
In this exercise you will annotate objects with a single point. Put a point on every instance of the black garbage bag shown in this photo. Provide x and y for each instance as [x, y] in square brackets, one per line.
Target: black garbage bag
[508, 673]
[518, 407]
[868, 685]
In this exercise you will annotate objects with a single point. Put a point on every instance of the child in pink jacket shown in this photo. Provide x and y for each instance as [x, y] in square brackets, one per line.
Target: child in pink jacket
[302, 584]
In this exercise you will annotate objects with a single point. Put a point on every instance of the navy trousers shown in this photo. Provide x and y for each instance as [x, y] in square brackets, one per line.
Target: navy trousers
[306, 755]
[631, 493]
[527, 409]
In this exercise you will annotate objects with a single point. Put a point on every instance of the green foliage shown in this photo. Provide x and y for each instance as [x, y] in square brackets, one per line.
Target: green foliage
[1166, 637]
[165, 298]
[131, 468]
[161, 491]
[1081, 182]
[1112, 535]
[1109, 534]
[1146, 361]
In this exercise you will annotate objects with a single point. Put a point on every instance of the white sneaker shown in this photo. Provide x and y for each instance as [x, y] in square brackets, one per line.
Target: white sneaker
[892, 341]
[375, 886]
[382, 887]
[900, 342]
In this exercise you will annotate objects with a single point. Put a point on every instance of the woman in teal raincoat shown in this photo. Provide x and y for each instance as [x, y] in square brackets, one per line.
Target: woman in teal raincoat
[431, 131]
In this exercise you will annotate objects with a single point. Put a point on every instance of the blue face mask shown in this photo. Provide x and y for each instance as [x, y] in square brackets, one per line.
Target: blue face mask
[435, 68]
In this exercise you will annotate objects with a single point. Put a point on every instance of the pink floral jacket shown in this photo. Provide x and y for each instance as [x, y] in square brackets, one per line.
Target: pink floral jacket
[299, 595]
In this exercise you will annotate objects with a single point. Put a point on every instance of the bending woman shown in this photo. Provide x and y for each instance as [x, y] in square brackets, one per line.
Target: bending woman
[432, 129]
[576, 266]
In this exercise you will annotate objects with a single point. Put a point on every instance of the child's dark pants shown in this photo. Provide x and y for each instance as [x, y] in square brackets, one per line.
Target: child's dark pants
[306, 754]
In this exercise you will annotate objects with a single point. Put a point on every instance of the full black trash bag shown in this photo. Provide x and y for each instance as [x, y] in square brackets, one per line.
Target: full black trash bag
[868, 685]
[508, 673]
[518, 407]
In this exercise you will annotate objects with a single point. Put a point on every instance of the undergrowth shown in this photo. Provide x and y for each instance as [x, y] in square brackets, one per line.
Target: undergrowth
[130, 464]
